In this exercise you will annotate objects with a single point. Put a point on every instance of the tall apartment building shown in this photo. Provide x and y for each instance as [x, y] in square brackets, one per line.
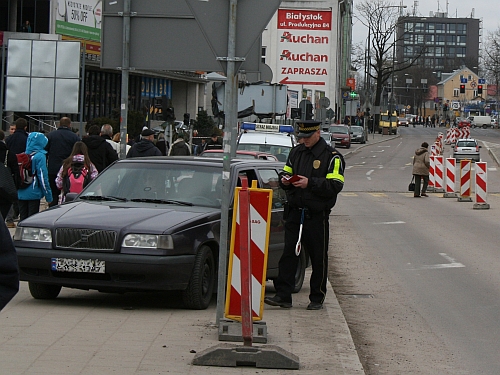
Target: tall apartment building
[448, 43]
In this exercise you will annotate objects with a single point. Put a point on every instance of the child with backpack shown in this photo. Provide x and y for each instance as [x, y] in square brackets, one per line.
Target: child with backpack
[29, 196]
[76, 171]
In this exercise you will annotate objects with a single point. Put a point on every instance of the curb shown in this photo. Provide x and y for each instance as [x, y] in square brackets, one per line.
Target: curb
[372, 143]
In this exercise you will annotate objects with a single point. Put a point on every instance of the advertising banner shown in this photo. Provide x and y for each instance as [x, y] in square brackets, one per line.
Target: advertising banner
[79, 19]
[304, 47]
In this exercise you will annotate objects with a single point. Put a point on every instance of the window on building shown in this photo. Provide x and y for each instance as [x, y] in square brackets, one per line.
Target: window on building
[439, 51]
[455, 92]
[439, 63]
[451, 39]
[474, 93]
[409, 27]
[440, 28]
[419, 27]
[450, 52]
[451, 28]
[429, 39]
[429, 63]
[430, 27]
[419, 39]
[429, 51]
[461, 40]
[461, 51]
[408, 39]
[263, 55]
[408, 51]
[461, 28]
[440, 40]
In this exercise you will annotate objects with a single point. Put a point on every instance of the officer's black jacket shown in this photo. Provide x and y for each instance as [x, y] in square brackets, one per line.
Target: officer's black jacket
[324, 166]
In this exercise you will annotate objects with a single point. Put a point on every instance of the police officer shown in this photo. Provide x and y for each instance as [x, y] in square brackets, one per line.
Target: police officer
[318, 176]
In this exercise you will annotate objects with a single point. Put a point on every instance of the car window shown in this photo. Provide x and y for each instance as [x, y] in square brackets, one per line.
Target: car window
[270, 180]
[198, 185]
[339, 130]
[281, 152]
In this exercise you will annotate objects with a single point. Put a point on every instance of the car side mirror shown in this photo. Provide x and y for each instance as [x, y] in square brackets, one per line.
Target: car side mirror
[70, 197]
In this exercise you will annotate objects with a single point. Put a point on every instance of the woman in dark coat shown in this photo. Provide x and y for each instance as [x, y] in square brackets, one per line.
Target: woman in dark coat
[6, 203]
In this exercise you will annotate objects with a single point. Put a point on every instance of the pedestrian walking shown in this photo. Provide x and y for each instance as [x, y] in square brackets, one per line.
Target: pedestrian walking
[179, 147]
[312, 177]
[214, 143]
[61, 142]
[145, 147]
[29, 197]
[116, 138]
[100, 152]
[421, 165]
[76, 172]
[162, 144]
[9, 271]
[107, 134]
[16, 144]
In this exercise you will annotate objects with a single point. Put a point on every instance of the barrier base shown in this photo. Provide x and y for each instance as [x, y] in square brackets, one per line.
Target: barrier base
[481, 206]
[440, 190]
[464, 199]
[450, 195]
[232, 355]
[230, 330]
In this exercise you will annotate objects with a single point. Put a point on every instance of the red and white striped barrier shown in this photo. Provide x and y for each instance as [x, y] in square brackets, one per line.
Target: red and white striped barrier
[450, 136]
[451, 168]
[438, 174]
[430, 186]
[259, 212]
[465, 181]
[481, 183]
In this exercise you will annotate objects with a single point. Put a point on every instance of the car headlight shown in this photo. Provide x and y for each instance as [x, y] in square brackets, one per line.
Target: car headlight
[148, 241]
[33, 234]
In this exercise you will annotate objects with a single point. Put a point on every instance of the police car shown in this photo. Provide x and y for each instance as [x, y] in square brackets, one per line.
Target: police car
[275, 139]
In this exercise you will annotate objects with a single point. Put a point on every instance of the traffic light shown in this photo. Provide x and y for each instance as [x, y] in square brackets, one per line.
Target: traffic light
[462, 89]
[168, 114]
[479, 89]
[309, 112]
[425, 87]
[186, 119]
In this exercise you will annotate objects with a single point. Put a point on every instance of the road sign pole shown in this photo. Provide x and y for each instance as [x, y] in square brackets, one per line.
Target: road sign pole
[125, 76]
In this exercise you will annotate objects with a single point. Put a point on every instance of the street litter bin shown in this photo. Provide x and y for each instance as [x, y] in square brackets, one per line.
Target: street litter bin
[385, 131]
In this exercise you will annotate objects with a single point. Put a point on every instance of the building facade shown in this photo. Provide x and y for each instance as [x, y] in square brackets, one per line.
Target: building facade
[439, 42]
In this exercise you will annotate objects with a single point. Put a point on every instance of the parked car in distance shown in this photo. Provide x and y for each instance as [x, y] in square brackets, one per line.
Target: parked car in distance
[326, 136]
[340, 135]
[358, 134]
[467, 149]
[462, 122]
[240, 154]
[145, 224]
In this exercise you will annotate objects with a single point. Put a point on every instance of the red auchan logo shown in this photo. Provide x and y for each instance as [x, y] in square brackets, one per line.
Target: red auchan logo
[306, 39]
[287, 55]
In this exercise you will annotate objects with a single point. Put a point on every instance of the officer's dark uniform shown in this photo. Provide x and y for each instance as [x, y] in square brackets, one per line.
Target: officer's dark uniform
[324, 168]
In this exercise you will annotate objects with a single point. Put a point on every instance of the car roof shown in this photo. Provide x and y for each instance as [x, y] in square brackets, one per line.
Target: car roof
[466, 139]
[256, 154]
[199, 160]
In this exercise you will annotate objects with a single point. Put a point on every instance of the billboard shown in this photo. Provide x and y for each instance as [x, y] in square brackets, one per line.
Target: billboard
[79, 19]
[304, 47]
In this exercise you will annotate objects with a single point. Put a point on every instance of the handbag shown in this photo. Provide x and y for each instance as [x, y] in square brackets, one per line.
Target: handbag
[411, 186]
[7, 186]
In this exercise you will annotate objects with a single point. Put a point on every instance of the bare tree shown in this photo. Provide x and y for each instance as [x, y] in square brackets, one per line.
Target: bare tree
[381, 17]
[491, 59]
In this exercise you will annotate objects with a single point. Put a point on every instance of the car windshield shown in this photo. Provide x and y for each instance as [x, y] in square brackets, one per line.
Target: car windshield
[281, 152]
[466, 144]
[326, 136]
[356, 129]
[160, 183]
[387, 118]
[339, 130]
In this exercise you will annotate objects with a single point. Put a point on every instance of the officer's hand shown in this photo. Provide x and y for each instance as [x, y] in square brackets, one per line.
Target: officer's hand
[302, 183]
[285, 180]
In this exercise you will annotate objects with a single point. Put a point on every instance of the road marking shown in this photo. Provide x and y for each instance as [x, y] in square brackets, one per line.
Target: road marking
[349, 167]
[384, 146]
[390, 222]
[452, 263]
[349, 194]
[378, 151]
[378, 194]
[368, 174]
[492, 169]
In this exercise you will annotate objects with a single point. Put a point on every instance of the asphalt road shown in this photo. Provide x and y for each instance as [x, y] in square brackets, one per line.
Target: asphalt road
[429, 266]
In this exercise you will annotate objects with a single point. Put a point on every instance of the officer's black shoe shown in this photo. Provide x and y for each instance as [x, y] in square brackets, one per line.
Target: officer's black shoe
[277, 301]
[315, 306]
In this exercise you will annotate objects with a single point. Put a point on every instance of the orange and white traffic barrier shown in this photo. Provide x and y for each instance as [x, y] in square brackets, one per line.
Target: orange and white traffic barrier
[438, 174]
[257, 213]
[481, 184]
[430, 186]
[451, 168]
[465, 181]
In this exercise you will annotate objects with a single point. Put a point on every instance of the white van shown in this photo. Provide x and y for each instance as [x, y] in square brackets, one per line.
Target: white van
[481, 122]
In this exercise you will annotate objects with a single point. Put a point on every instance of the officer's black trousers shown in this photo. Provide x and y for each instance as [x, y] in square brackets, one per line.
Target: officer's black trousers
[315, 235]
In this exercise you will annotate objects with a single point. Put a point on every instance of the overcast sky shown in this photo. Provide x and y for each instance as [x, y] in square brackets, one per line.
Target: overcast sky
[488, 11]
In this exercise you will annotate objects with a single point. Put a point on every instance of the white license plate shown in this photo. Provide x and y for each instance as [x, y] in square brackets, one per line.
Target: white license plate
[78, 265]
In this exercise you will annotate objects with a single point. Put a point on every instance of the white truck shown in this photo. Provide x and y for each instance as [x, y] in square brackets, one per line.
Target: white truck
[481, 122]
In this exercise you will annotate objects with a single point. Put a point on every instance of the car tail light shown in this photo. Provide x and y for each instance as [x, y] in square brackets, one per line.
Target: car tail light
[477, 148]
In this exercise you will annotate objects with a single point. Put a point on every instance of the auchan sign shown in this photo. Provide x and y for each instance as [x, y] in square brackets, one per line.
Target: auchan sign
[304, 46]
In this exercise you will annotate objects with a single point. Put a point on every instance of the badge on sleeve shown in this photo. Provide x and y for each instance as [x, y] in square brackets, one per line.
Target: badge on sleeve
[316, 164]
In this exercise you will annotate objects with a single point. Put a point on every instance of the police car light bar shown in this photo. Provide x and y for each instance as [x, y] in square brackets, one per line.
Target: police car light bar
[272, 128]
